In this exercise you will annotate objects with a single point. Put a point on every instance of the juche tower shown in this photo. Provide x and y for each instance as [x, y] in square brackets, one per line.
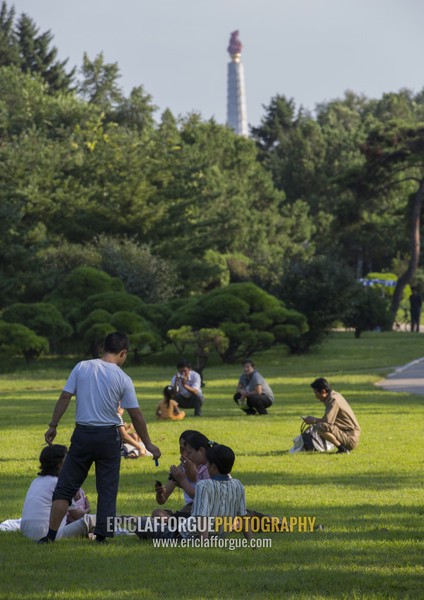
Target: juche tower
[236, 98]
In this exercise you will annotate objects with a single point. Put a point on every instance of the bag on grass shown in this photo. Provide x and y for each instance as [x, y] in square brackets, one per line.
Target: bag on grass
[298, 445]
[312, 441]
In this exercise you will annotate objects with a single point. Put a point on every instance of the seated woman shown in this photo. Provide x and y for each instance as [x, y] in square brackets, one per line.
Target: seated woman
[253, 394]
[38, 501]
[168, 408]
[193, 465]
[189, 471]
[193, 468]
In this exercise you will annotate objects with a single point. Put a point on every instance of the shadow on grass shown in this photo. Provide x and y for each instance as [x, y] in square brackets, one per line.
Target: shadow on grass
[270, 453]
[367, 481]
[308, 566]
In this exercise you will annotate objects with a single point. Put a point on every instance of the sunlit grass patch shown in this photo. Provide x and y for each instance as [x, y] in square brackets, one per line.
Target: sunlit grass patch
[369, 505]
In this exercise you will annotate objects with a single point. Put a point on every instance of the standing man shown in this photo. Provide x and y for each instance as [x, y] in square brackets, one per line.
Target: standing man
[187, 386]
[99, 386]
[415, 302]
[339, 424]
[253, 394]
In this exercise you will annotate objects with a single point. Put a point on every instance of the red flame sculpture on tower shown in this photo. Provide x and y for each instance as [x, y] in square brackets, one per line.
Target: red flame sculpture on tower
[235, 46]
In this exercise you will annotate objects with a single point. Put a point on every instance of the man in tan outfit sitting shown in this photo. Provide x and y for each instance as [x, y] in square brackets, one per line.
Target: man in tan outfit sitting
[339, 424]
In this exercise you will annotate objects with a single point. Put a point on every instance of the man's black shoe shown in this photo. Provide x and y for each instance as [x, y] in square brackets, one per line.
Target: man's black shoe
[342, 450]
[45, 540]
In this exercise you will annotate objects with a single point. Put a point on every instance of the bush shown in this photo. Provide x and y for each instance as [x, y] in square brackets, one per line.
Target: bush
[150, 277]
[58, 262]
[323, 290]
[144, 340]
[158, 315]
[95, 336]
[96, 316]
[203, 341]
[42, 318]
[79, 285]
[111, 302]
[251, 319]
[16, 339]
[369, 311]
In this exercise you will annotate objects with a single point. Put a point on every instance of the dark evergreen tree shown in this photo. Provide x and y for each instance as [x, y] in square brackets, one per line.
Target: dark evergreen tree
[99, 85]
[38, 56]
[136, 111]
[9, 48]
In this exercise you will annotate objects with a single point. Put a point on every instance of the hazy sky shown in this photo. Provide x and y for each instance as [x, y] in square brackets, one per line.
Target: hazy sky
[309, 50]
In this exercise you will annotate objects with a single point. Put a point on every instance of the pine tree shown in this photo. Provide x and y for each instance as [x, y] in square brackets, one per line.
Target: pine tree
[9, 48]
[99, 85]
[38, 56]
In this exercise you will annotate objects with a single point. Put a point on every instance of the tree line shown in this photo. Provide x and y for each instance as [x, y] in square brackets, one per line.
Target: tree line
[177, 208]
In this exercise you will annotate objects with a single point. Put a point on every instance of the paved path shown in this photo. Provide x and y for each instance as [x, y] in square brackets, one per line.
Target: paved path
[409, 378]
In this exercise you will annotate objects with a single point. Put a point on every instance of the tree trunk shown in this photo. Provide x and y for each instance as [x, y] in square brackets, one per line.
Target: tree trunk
[415, 245]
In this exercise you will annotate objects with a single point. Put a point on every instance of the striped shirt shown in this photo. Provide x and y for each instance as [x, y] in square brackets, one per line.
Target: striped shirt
[219, 498]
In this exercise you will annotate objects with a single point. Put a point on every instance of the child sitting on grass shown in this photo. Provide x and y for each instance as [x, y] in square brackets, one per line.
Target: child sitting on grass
[168, 408]
[132, 446]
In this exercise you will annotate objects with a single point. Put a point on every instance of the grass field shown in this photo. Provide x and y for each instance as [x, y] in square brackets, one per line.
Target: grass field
[369, 503]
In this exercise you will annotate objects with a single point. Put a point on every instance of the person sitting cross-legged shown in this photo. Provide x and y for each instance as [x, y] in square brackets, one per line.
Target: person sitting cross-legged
[38, 501]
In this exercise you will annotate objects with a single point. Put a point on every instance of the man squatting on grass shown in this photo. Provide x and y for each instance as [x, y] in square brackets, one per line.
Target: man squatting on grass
[253, 393]
[339, 424]
[219, 496]
[100, 385]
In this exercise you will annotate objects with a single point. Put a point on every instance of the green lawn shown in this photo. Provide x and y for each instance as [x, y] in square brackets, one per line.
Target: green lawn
[369, 503]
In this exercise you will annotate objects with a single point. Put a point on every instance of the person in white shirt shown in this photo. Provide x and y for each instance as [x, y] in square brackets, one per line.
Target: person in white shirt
[38, 501]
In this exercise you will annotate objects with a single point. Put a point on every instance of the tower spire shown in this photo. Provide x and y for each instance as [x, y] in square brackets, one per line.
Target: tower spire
[236, 92]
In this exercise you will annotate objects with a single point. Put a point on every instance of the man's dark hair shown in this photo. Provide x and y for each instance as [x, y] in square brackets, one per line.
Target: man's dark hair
[248, 361]
[222, 457]
[51, 458]
[183, 364]
[321, 384]
[116, 342]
